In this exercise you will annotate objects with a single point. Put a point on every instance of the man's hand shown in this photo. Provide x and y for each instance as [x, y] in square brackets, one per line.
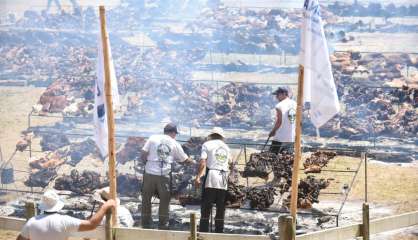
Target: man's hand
[109, 204]
[189, 161]
[272, 133]
[197, 182]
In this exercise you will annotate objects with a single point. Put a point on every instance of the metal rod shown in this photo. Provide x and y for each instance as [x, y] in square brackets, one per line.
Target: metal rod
[351, 185]
[365, 176]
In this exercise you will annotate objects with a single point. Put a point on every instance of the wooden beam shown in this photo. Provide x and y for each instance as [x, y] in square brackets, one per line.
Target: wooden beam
[193, 227]
[150, 234]
[365, 227]
[286, 231]
[12, 223]
[393, 222]
[340, 233]
[298, 150]
[109, 113]
[30, 208]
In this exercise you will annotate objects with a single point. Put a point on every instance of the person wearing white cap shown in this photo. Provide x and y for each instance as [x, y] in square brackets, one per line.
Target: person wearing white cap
[215, 158]
[51, 225]
[159, 152]
[124, 216]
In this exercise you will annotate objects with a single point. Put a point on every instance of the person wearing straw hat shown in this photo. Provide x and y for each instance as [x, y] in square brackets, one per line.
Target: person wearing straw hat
[158, 153]
[52, 225]
[124, 215]
[215, 158]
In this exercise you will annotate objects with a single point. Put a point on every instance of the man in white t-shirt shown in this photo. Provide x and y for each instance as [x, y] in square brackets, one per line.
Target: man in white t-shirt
[124, 215]
[159, 152]
[215, 157]
[283, 131]
[51, 225]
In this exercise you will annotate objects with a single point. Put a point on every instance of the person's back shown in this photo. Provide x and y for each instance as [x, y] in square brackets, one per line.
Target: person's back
[162, 149]
[286, 132]
[218, 157]
[50, 226]
[54, 226]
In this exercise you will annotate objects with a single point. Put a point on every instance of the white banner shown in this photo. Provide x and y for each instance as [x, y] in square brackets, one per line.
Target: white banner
[100, 109]
[319, 87]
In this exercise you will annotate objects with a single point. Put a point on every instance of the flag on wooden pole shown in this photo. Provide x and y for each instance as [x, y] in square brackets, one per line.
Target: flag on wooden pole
[319, 86]
[100, 109]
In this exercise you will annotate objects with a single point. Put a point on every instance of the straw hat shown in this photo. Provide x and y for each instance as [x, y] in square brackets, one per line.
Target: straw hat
[218, 130]
[51, 202]
[102, 195]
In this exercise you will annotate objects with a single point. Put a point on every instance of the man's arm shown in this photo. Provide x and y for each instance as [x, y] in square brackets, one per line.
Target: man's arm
[200, 172]
[181, 156]
[144, 156]
[278, 122]
[93, 222]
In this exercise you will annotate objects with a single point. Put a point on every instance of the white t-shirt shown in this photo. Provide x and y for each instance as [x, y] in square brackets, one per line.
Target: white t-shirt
[51, 226]
[286, 131]
[162, 149]
[125, 217]
[218, 156]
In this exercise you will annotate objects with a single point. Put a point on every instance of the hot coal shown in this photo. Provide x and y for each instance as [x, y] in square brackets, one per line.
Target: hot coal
[282, 169]
[52, 142]
[83, 183]
[81, 149]
[193, 146]
[259, 165]
[129, 185]
[235, 195]
[51, 160]
[23, 143]
[308, 191]
[131, 150]
[261, 197]
[41, 178]
[317, 160]
[189, 199]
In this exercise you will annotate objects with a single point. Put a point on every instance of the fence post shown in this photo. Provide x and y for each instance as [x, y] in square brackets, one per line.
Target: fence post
[286, 231]
[108, 226]
[193, 227]
[364, 157]
[366, 222]
[30, 208]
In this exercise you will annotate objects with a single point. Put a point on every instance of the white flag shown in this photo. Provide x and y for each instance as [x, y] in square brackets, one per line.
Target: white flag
[319, 86]
[100, 109]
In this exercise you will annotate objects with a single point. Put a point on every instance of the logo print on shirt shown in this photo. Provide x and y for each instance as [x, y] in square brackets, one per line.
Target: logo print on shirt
[291, 114]
[163, 151]
[221, 155]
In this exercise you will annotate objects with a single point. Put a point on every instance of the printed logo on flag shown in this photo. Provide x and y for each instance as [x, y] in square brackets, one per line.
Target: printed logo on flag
[101, 112]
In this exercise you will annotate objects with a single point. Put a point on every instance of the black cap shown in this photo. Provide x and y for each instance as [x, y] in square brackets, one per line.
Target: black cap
[281, 90]
[171, 127]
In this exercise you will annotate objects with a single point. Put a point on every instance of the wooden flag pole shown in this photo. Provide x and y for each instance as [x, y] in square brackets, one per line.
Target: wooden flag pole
[298, 150]
[109, 107]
